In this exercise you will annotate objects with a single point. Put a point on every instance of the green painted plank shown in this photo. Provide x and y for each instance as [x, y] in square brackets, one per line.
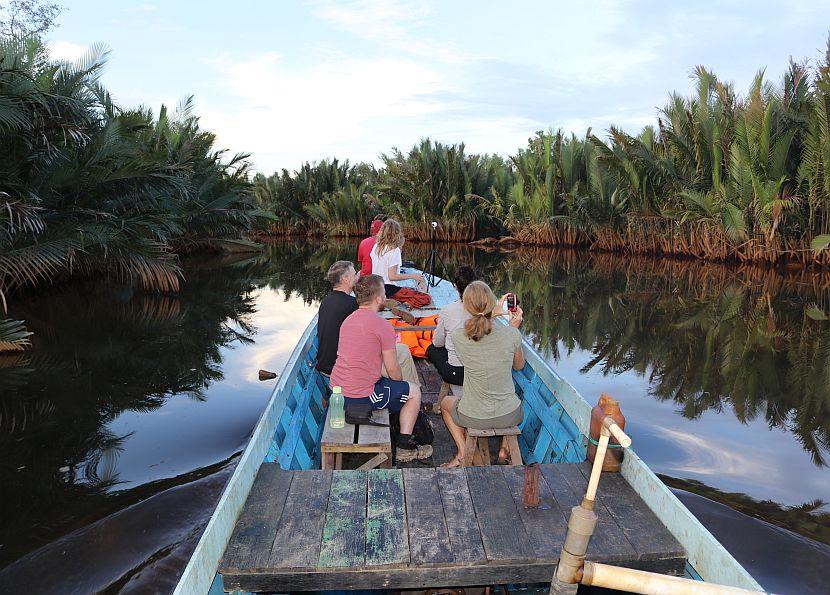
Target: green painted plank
[387, 539]
[344, 534]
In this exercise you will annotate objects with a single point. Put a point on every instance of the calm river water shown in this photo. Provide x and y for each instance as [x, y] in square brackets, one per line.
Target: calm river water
[121, 425]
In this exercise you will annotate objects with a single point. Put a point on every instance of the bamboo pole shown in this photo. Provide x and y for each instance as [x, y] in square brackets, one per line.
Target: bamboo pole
[583, 519]
[649, 583]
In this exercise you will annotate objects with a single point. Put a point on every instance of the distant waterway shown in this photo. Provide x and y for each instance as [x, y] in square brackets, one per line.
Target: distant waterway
[121, 425]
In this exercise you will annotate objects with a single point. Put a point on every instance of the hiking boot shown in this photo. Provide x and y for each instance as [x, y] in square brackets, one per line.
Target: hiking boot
[411, 450]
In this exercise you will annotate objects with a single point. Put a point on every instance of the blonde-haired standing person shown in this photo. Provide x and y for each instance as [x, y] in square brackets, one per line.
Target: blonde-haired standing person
[387, 259]
[489, 353]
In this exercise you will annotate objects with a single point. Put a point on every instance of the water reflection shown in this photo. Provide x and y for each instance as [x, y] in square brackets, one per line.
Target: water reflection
[113, 394]
[723, 373]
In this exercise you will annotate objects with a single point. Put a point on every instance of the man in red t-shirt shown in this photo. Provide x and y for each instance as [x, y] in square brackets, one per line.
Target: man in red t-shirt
[366, 346]
[364, 250]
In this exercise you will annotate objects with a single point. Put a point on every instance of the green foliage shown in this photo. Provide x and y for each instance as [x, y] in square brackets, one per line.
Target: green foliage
[720, 176]
[90, 188]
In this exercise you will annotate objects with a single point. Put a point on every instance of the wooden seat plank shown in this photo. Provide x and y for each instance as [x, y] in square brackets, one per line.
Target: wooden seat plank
[336, 436]
[344, 532]
[609, 540]
[546, 525]
[502, 531]
[429, 541]
[464, 533]
[297, 543]
[369, 435]
[650, 538]
[387, 540]
[250, 543]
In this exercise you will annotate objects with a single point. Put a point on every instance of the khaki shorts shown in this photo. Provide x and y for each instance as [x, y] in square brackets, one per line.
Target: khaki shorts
[514, 418]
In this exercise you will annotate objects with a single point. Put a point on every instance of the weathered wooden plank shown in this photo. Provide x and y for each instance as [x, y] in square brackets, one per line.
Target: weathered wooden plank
[502, 531]
[387, 541]
[650, 538]
[369, 435]
[336, 436]
[297, 543]
[608, 541]
[414, 577]
[429, 541]
[465, 536]
[344, 533]
[250, 543]
[546, 525]
[376, 461]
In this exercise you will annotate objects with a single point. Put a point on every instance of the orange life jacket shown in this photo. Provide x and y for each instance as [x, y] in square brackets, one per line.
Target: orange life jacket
[417, 341]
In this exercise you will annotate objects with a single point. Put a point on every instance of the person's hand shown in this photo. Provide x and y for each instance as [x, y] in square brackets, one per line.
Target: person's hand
[500, 309]
[516, 318]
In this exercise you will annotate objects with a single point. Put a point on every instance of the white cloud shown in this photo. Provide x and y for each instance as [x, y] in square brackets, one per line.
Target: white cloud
[396, 25]
[318, 111]
[66, 50]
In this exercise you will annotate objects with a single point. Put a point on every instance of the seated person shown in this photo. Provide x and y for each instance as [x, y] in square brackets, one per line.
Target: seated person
[364, 250]
[442, 352]
[334, 309]
[367, 345]
[386, 258]
[489, 352]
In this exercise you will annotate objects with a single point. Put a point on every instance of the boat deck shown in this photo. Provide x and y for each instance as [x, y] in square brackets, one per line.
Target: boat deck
[413, 528]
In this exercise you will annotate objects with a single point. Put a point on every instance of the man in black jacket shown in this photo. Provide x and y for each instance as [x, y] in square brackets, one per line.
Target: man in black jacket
[334, 309]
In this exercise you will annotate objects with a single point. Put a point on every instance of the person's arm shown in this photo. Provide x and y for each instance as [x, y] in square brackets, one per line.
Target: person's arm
[394, 275]
[519, 354]
[439, 337]
[390, 362]
[519, 358]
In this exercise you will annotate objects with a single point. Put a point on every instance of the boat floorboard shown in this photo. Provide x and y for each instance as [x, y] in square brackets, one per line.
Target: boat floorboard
[427, 527]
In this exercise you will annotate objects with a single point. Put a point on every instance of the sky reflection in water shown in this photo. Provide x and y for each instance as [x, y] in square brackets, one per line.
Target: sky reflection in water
[131, 391]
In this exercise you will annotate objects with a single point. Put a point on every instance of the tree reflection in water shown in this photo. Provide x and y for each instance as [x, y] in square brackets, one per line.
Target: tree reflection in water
[708, 337]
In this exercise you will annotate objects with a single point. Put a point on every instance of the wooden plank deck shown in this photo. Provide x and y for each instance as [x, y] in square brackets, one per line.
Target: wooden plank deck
[415, 528]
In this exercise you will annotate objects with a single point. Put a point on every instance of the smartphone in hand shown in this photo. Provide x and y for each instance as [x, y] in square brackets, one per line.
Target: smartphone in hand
[512, 302]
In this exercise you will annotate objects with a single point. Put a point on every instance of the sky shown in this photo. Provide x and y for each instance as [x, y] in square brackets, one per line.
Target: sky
[296, 81]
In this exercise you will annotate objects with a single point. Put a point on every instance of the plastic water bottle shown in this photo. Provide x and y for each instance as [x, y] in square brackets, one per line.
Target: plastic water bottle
[337, 419]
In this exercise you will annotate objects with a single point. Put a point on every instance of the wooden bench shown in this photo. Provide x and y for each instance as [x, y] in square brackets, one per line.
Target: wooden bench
[357, 439]
[477, 449]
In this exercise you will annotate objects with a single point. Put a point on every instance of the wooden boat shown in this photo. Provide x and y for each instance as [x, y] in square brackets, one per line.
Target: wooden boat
[554, 430]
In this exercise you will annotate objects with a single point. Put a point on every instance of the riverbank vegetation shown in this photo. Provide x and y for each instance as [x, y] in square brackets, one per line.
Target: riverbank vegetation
[88, 187]
[719, 176]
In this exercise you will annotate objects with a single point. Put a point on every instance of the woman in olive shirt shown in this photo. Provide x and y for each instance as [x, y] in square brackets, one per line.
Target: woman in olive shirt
[488, 353]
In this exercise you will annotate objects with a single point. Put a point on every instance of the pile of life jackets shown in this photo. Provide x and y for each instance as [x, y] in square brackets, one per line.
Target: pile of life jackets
[417, 341]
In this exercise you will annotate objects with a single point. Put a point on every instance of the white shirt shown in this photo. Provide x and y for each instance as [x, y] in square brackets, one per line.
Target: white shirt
[451, 317]
[381, 264]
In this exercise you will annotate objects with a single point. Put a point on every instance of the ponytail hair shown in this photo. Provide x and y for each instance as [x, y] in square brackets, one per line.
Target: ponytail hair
[479, 301]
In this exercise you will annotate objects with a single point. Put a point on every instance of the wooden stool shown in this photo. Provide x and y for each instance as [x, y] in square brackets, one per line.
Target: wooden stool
[477, 449]
[363, 438]
[442, 392]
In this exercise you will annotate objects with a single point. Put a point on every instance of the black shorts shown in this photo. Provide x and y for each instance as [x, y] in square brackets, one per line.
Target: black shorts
[388, 394]
[390, 290]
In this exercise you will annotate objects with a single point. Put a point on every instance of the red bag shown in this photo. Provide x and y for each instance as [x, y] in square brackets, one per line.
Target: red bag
[412, 297]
